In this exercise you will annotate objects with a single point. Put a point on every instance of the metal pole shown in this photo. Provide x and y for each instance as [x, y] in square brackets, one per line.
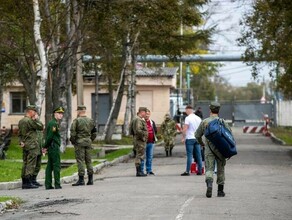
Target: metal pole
[183, 58]
[79, 78]
[180, 64]
[188, 83]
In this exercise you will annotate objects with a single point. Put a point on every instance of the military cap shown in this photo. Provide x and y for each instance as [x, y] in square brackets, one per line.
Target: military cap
[81, 107]
[214, 105]
[31, 107]
[59, 110]
[142, 109]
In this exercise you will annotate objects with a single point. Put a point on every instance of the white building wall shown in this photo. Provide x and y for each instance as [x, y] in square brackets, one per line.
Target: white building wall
[284, 113]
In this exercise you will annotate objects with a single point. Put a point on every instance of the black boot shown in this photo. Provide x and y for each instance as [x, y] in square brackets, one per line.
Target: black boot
[139, 173]
[27, 183]
[166, 151]
[209, 188]
[80, 182]
[24, 183]
[34, 182]
[220, 192]
[90, 179]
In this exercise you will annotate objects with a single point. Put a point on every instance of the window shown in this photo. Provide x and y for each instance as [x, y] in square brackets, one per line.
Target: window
[18, 102]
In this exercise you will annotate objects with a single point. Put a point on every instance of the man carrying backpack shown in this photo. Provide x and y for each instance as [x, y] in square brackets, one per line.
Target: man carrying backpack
[212, 154]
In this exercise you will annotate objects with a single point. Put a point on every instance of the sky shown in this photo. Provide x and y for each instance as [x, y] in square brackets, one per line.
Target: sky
[227, 14]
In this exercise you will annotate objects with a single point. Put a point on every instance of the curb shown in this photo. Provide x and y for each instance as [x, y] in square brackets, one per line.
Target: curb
[277, 140]
[67, 179]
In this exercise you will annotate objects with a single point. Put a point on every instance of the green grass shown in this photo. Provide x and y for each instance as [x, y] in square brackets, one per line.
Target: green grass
[69, 171]
[126, 140]
[11, 169]
[14, 151]
[283, 133]
[115, 154]
[69, 154]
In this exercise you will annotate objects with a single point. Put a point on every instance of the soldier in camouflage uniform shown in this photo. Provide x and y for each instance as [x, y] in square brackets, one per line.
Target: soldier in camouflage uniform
[168, 131]
[39, 157]
[28, 139]
[140, 136]
[83, 132]
[212, 154]
[52, 146]
[131, 132]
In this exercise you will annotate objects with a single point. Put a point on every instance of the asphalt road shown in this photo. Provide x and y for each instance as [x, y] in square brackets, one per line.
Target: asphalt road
[258, 186]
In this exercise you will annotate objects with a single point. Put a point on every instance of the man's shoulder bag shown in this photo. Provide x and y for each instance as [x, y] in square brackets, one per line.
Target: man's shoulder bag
[221, 137]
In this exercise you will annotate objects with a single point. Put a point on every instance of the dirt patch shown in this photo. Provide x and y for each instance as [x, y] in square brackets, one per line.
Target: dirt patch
[56, 202]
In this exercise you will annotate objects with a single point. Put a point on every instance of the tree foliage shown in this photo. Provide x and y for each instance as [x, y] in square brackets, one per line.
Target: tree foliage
[148, 27]
[267, 36]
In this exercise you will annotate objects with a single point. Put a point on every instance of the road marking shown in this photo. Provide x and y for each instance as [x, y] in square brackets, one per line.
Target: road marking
[182, 209]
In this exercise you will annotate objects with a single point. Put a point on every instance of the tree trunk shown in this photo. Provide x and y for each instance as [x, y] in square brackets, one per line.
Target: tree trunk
[49, 100]
[42, 55]
[130, 112]
[28, 80]
[112, 119]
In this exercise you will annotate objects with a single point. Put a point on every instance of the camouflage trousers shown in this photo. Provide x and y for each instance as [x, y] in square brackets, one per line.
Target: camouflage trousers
[83, 156]
[29, 158]
[168, 143]
[140, 152]
[210, 159]
[38, 163]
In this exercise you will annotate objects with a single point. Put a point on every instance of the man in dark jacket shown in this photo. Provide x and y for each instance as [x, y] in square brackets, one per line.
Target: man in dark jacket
[83, 132]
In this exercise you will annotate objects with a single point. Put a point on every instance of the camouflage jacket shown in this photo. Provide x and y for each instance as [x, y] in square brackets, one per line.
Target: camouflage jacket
[28, 132]
[53, 133]
[139, 128]
[168, 128]
[83, 131]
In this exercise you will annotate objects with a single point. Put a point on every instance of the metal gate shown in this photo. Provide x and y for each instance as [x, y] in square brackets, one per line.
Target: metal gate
[103, 102]
[240, 112]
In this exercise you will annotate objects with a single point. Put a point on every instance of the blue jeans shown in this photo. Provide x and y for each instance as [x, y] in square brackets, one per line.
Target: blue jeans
[149, 156]
[193, 145]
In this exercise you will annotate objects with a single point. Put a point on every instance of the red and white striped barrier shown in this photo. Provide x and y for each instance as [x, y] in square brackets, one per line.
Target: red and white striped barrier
[178, 128]
[253, 129]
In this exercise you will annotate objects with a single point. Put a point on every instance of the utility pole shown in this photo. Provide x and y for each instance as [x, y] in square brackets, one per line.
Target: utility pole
[188, 71]
[79, 78]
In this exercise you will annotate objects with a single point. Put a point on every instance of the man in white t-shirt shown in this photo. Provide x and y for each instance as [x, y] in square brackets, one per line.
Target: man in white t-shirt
[191, 124]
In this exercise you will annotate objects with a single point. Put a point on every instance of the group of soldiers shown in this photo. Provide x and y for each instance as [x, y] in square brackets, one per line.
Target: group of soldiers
[83, 132]
[192, 134]
[30, 133]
